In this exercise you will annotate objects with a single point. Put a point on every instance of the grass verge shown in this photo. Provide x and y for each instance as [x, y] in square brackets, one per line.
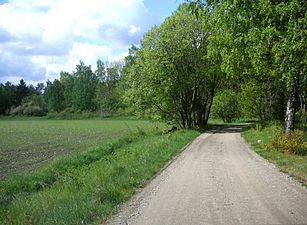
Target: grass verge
[294, 165]
[86, 192]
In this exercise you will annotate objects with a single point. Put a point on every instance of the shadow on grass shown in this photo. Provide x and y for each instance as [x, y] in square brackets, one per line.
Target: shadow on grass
[226, 128]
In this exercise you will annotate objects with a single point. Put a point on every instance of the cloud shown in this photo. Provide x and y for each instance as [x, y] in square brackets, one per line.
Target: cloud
[41, 38]
[12, 68]
[5, 36]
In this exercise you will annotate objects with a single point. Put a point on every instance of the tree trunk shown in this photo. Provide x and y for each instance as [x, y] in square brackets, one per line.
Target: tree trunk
[290, 113]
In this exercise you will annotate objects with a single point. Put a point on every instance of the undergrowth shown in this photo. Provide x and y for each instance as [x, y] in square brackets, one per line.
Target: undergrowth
[283, 150]
[293, 143]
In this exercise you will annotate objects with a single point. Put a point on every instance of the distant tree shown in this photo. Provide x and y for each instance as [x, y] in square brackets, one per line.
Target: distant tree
[35, 100]
[108, 92]
[22, 91]
[84, 89]
[54, 95]
[100, 71]
[40, 88]
[226, 106]
[68, 82]
[7, 97]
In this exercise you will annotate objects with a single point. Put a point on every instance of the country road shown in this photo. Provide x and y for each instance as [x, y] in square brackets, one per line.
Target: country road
[217, 179]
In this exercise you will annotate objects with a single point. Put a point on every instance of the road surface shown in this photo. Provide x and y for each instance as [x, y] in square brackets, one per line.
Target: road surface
[218, 179]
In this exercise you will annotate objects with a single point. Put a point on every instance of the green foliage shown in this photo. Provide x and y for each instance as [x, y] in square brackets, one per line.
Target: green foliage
[87, 193]
[109, 91]
[22, 91]
[262, 99]
[263, 41]
[72, 114]
[17, 110]
[54, 95]
[171, 76]
[14, 98]
[35, 100]
[67, 80]
[34, 110]
[301, 118]
[226, 106]
[7, 97]
[84, 88]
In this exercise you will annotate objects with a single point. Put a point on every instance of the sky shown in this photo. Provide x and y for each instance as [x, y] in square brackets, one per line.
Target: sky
[40, 38]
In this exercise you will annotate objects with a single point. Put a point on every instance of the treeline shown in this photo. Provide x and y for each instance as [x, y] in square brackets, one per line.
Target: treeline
[237, 58]
[79, 91]
[22, 99]
[221, 58]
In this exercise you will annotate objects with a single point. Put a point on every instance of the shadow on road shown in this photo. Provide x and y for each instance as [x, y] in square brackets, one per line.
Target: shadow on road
[212, 128]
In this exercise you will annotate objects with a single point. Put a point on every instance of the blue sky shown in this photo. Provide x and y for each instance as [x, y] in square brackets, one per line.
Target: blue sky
[38, 39]
[162, 8]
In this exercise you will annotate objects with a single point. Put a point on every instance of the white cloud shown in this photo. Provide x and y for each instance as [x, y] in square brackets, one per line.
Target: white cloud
[134, 29]
[53, 35]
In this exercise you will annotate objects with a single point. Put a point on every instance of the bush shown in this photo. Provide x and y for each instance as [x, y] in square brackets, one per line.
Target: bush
[17, 110]
[34, 111]
[301, 119]
[225, 106]
[293, 143]
[72, 114]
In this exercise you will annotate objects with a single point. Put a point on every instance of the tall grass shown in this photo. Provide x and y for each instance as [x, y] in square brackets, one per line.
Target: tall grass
[89, 190]
[261, 139]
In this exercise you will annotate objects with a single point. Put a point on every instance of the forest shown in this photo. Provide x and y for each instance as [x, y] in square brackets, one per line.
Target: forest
[225, 59]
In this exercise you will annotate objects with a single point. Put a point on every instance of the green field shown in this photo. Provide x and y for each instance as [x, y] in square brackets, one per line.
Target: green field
[28, 143]
[83, 187]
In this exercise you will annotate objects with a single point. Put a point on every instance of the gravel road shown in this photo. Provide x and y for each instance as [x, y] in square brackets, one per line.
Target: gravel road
[218, 179]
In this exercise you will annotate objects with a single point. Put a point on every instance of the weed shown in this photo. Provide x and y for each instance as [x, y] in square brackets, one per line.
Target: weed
[293, 143]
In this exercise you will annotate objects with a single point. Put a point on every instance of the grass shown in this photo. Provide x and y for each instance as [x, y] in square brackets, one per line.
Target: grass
[87, 192]
[294, 165]
[28, 143]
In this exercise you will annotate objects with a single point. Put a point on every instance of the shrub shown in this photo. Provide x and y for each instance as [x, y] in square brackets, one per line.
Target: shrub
[72, 114]
[301, 119]
[225, 106]
[17, 110]
[293, 143]
[34, 111]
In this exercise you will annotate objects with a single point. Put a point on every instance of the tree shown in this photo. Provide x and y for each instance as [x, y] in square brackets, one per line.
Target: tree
[68, 81]
[7, 97]
[226, 106]
[40, 88]
[100, 71]
[280, 40]
[172, 75]
[54, 95]
[262, 40]
[84, 88]
[109, 90]
[21, 92]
